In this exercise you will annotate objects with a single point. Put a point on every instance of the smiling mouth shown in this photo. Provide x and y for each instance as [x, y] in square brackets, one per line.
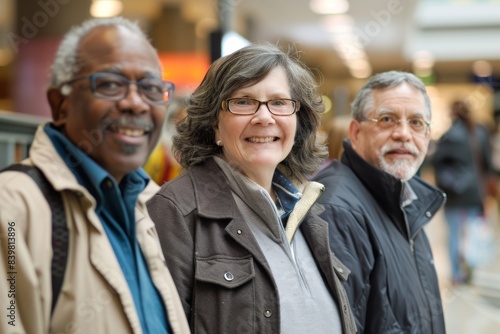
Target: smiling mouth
[131, 129]
[262, 139]
[133, 132]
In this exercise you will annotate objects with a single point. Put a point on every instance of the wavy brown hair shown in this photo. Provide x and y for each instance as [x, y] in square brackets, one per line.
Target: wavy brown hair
[195, 141]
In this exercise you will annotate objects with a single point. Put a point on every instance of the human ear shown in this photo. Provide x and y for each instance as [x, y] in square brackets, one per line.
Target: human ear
[215, 127]
[57, 102]
[354, 130]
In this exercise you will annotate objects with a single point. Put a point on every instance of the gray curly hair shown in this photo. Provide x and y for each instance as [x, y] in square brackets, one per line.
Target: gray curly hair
[66, 62]
[195, 141]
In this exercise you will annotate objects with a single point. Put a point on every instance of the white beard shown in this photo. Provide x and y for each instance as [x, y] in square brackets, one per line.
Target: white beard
[401, 169]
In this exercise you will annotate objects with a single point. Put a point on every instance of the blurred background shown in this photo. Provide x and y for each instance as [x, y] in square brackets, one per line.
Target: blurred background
[453, 45]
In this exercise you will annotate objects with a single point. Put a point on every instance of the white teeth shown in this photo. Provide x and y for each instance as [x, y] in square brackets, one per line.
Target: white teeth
[261, 140]
[131, 132]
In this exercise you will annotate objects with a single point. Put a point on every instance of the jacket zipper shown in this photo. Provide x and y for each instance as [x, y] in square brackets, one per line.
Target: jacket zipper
[410, 239]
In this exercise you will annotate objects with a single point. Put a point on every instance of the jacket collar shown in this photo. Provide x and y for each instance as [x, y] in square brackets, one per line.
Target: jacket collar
[212, 193]
[384, 187]
[214, 197]
[44, 155]
[388, 191]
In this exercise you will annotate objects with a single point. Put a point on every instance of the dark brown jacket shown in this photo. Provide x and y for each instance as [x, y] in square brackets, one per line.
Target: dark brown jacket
[203, 234]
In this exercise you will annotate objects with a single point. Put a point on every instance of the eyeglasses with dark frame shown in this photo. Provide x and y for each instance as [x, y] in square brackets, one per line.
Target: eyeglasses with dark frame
[246, 106]
[389, 121]
[114, 87]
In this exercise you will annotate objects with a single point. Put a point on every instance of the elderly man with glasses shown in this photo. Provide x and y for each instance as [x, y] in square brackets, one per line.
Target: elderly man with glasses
[108, 104]
[377, 209]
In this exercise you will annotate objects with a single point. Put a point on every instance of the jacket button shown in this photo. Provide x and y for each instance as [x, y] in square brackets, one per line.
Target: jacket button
[268, 313]
[239, 231]
[228, 276]
[428, 214]
[340, 270]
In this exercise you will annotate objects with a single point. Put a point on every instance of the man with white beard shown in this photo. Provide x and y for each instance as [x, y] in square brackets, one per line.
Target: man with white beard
[377, 208]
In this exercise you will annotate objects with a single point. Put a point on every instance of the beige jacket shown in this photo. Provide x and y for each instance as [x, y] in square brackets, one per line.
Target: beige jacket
[95, 297]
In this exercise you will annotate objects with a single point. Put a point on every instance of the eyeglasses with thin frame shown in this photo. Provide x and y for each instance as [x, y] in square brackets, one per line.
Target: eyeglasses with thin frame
[246, 106]
[389, 121]
[114, 87]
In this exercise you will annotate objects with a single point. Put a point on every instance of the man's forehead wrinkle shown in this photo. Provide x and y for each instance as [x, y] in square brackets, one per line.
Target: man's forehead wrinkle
[412, 112]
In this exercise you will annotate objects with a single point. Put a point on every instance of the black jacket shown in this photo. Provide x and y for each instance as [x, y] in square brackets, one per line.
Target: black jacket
[393, 286]
[460, 169]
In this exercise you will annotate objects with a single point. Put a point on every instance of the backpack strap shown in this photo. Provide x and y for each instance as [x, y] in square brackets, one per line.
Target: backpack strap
[59, 228]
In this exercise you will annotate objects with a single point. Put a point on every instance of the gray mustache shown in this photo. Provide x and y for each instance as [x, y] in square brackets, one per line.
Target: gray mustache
[126, 121]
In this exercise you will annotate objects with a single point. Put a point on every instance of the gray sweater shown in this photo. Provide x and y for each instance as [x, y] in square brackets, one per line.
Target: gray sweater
[306, 304]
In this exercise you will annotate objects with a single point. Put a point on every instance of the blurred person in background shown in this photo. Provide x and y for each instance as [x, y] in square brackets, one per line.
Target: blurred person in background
[240, 229]
[377, 209]
[463, 169]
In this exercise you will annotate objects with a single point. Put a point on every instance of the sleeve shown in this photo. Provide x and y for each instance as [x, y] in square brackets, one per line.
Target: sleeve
[440, 153]
[350, 242]
[487, 151]
[444, 162]
[25, 255]
[175, 231]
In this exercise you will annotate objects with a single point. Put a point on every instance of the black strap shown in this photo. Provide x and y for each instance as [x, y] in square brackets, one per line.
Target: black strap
[59, 228]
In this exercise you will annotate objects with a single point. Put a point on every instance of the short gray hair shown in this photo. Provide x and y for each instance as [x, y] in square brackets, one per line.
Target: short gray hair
[66, 62]
[385, 80]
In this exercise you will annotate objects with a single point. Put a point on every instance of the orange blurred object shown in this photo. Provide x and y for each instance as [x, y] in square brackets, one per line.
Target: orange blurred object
[184, 69]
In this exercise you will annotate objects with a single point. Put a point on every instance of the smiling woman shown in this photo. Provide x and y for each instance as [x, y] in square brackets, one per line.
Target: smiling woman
[240, 230]
[255, 143]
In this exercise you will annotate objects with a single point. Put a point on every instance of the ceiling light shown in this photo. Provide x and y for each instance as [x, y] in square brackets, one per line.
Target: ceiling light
[423, 62]
[347, 40]
[338, 24]
[329, 6]
[106, 8]
[347, 52]
[361, 73]
[358, 65]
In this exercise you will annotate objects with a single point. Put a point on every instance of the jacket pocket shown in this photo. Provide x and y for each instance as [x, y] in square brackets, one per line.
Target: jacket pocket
[226, 271]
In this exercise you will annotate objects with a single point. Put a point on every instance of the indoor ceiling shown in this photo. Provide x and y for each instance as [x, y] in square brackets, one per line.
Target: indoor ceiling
[388, 34]
[453, 33]
[385, 34]
[392, 32]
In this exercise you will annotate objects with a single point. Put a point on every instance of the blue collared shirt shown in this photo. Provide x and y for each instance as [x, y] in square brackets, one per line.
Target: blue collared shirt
[288, 194]
[115, 206]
